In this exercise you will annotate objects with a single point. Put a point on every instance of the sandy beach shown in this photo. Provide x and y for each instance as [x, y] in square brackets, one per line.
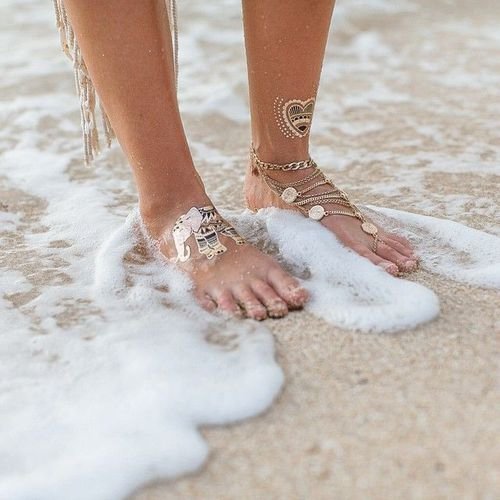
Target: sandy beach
[410, 415]
[408, 117]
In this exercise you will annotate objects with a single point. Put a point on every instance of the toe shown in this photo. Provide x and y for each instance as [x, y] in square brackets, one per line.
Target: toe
[226, 303]
[402, 240]
[404, 263]
[397, 245]
[288, 288]
[206, 301]
[275, 305]
[248, 301]
[387, 265]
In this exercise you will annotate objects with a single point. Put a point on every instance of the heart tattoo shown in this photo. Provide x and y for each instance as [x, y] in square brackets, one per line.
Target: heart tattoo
[294, 117]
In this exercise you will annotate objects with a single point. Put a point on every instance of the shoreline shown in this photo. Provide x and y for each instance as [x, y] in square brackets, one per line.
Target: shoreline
[407, 119]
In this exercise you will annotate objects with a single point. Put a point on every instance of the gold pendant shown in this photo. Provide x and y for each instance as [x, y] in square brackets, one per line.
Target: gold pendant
[317, 212]
[289, 195]
[369, 228]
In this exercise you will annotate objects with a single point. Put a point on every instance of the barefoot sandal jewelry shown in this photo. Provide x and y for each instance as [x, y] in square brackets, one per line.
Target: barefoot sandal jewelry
[206, 225]
[298, 194]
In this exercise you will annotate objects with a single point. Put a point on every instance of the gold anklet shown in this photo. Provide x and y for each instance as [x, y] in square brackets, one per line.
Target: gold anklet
[206, 225]
[294, 165]
[296, 194]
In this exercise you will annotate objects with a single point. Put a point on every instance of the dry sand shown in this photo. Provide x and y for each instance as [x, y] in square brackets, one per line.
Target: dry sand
[411, 415]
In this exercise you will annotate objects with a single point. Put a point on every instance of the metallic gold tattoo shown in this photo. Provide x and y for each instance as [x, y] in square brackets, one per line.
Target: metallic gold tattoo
[294, 117]
[205, 224]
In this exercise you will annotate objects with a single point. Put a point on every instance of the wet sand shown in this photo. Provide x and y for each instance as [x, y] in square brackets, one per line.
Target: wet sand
[409, 105]
[408, 415]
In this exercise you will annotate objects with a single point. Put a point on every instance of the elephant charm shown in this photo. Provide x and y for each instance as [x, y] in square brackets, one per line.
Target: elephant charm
[205, 224]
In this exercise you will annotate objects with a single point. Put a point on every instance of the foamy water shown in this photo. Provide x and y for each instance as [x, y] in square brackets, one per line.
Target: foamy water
[107, 366]
[349, 292]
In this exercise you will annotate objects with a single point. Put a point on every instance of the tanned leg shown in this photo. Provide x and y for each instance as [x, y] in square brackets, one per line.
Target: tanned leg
[128, 51]
[285, 44]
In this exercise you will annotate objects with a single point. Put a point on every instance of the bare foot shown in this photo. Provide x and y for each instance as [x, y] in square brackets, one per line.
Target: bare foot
[394, 253]
[229, 274]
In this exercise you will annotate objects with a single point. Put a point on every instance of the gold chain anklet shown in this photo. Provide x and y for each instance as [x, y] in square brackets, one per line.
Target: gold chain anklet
[298, 195]
[294, 165]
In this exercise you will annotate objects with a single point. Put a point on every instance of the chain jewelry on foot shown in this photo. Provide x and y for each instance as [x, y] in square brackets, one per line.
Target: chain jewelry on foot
[298, 194]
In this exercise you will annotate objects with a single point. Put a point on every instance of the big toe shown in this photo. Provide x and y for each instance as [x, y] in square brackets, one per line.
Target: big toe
[387, 265]
[388, 252]
[288, 288]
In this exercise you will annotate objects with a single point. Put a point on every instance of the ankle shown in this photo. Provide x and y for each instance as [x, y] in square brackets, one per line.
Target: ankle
[277, 152]
[160, 213]
[280, 170]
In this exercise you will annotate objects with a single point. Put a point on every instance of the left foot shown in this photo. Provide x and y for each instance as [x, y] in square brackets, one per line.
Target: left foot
[391, 252]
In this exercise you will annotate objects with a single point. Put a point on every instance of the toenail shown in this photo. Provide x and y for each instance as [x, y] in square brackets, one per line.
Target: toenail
[275, 314]
[277, 303]
[387, 266]
[277, 307]
[297, 290]
[252, 307]
[259, 317]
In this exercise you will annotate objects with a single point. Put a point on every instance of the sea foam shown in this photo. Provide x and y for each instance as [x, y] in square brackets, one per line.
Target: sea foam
[349, 292]
[107, 366]
[115, 400]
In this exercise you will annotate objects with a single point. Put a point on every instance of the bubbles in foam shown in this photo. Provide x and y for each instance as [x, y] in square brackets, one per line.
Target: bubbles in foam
[350, 292]
[449, 248]
[115, 401]
[107, 367]
[347, 290]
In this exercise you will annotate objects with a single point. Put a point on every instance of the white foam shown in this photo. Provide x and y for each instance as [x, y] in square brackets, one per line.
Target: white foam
[349, 292]
[107, 367]
[449, 248]
[346, 289]
[116, 400]
[105, 376]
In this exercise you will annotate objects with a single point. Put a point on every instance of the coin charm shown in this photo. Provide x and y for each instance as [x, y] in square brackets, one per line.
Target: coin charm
[369, 228]
[317, 212]
[289, 195]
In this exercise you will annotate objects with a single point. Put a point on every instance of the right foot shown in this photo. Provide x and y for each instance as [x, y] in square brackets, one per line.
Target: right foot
[391, 252]
[240, 280]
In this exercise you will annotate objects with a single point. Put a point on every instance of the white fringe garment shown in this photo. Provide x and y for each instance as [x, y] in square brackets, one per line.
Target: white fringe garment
[84, 86]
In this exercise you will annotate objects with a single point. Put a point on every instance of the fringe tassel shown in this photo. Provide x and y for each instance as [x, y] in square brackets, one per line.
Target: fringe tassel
[85, 88]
